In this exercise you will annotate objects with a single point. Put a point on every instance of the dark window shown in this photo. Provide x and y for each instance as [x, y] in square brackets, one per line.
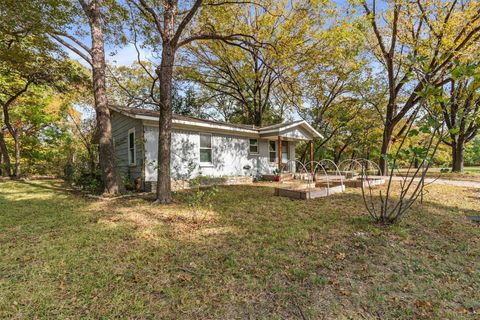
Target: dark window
[253, 146]
[272, 149]
[206, 148]
[285, 152]
[131, 147]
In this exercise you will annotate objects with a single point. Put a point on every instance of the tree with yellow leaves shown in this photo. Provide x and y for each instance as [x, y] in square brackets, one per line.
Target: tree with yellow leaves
[415, 44]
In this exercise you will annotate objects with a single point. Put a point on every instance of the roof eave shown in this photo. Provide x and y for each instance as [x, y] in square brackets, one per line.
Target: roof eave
[277, 131]
[303, 123]
[312, 130]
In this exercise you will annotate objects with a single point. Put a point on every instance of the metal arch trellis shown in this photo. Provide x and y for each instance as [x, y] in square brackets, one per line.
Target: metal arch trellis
[287, 165]
[370, 163]
[337, 171]
[301, 181]
[352, 163]
[314, 172]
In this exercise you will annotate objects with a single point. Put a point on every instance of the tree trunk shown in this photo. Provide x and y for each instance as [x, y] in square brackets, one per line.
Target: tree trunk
[5, 155]
[165, 74]
[93, 166]
[337, 156]
[457, 153]
[386, 144]
[110, 176]
[453, 151]
[258, 117]
[16, 139]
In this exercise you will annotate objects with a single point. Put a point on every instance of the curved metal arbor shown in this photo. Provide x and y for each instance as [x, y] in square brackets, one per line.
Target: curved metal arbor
[369, 163]
[337, 171]
[351, 165]
[319, 165]
[302, 166]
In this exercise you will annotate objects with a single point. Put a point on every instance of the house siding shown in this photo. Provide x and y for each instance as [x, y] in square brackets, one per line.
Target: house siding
[265, 167]
[230, 156]
[297, 133]
[120, 126]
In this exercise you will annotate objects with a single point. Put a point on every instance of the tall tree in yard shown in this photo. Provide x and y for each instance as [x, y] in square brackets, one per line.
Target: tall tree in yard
[69, 23]
[333, 77]
[167, 27]
[27, 63]
[462, 111]
[94, 13]
[410, 38]
[257, 79]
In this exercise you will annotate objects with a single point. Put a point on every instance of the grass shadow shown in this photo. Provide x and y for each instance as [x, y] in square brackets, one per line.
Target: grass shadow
[255, 256]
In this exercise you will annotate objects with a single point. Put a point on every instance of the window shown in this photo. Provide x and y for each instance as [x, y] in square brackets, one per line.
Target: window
[205, 148]
[132, 154]
[272, 149]
[285, 152]
[253, 146]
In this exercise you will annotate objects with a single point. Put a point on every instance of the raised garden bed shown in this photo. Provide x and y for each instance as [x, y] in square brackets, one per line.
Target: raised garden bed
[357, 183]
[305, 193]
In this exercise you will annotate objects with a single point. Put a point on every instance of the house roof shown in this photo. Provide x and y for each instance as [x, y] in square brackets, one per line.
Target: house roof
[152, 115]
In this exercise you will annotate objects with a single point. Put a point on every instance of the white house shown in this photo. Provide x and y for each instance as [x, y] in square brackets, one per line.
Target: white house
[203, 147]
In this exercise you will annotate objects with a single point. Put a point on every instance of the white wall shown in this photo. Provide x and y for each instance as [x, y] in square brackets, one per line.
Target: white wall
[230, 154]
[297, 133]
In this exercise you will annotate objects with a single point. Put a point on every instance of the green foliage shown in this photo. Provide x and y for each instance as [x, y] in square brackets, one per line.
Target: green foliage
[188, 104]
[472, 152]
[257, 81]
[36, 84]
[89, 182]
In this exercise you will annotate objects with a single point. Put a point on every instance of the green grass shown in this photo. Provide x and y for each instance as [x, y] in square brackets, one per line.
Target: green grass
[475, 169]
[469, 174]
[252, 256]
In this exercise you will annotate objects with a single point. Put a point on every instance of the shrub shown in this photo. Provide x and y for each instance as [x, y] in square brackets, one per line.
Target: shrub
[201, 198]
[90, 182]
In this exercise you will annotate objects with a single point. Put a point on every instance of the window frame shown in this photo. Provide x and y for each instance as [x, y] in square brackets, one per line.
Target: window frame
[272, 151]
[205, 163]
[286, 150]
[130, 162]
[250, 146]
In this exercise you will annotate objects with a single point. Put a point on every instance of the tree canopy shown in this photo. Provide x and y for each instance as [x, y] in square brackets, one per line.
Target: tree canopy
[356, 71]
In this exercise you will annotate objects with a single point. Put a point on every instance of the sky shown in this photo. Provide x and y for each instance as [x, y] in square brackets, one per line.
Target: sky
[124, 56]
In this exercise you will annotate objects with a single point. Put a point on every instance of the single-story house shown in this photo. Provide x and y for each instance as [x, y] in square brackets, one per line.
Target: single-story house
[203, 147]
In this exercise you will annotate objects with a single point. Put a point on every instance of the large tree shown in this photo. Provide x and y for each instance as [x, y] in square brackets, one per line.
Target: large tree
[415, 43]
[259, 82]
[70, 31]
[333, 80]
[461, 111]
[28, 63]
[71, 23]
[167, 26]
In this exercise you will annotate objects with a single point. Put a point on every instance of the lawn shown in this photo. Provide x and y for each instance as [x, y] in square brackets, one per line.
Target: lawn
[469, 174]
[251, 256]
[475, 169]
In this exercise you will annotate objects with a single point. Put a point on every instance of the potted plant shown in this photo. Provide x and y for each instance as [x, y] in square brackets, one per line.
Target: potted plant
[276, 175]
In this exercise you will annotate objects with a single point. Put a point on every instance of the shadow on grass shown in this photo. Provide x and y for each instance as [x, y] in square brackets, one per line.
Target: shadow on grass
[254, 255]
[50, 184]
